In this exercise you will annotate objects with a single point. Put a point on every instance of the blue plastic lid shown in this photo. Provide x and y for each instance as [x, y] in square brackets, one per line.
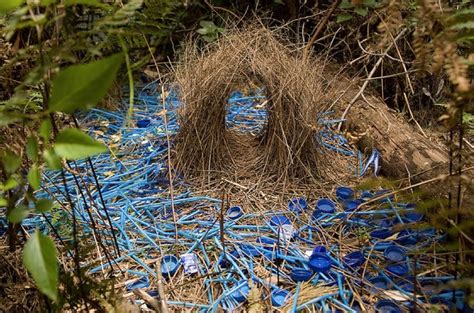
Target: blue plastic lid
[152, 293]
[279, 220]
[379, 283]
[241, 294]
[325, 205]
[143, 123]
[141, 283]
[399, 270]
[169, 265]
[344, 193]
[407, 238]
[250, 250]
[395, 254]
[319, 262]
[387, 306]
[279, 297]
[354, 259]
[320, 249]
[351, 205]
[381, 233]
[442, 301]
[412, 217]
[407, 286]
[234, 212]
[366, 195]
[297, 205]
[383, 222]
[301, 274]
[429, 287]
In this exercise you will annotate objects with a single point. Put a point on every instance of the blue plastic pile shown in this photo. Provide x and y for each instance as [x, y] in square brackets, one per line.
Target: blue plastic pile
[134, 181]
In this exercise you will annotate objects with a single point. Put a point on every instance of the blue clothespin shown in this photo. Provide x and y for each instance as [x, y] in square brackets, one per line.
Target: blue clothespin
[373, 159]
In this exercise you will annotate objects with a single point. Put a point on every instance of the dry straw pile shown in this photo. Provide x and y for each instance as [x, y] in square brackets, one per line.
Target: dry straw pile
[286, 149]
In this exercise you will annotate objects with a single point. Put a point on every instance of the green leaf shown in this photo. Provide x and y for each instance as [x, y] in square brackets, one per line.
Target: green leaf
[82, 2]
[73, 144]
[207, 24]
[45, 129]
[11, 162]
[362, 11]
[17, 214]
[345, 4]
[3, 202]
[202, 31]
[469, 25]
[32, 148]
[9, 184]
[83, 86]
[370, 3]
[39, 257]
[9, 5]
[34, 177]
[343, 17]
[47, 2]
[44, 205]
[52, 160]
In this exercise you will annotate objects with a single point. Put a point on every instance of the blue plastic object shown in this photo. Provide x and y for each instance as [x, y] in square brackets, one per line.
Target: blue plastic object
[381, 233]
[395, 254]
[325, 206]
[279, 220]
[152, 293]
[407, 238]
[387, 306]
[297, 205]
[169, 265]
[429, 287]
[241, 294]
[234, 212]
[301, 274]
[141, 283]
[412, 217]
[250, 250]
[319, 249]
[354, 259]
[143, 123]
[397, 270]
[379, 283]
[366, 195]
[351, 205]
[279, 297]
[344, 193]
[319, 262]
[442, 301]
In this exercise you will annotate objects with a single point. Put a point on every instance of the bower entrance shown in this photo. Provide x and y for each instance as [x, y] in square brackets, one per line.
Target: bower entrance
[286, 148]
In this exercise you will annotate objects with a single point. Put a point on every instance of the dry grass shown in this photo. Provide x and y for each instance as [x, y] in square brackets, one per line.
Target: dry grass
[293, 86]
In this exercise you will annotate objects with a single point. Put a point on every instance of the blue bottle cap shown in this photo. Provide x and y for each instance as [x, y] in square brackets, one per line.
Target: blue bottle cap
[407, 286]
[383, 222]
[344, 193]
[382, 245]
[379, 283]
[320, 249]
[381, 233]
[366, 195]
[379, 193]
[407, 238]
[297, 205]
[387, 306]
[279, 297]
[319, 262]
[397, 270]
[152, 293]
[448, 304]
[250, 250]
[279, 220]
[412, 217]
[395, 254]
[301, 274]
[354, 259]
[169, 265]
[141, 283]
[351, 205]
[143, 123]
[241, 294]
[325, 205]
[234, 212]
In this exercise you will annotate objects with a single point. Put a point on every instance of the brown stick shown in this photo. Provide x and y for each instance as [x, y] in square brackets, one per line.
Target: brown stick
[321, 25]
[161, 290]
[148, 299]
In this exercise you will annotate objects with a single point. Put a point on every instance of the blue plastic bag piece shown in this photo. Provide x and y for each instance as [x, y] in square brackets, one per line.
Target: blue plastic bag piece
[373, 160]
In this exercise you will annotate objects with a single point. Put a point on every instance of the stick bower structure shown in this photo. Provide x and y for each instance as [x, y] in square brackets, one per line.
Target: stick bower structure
[286, 148]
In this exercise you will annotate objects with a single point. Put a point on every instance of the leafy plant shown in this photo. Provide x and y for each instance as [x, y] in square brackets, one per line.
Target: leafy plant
[349, 8]
[209, 31]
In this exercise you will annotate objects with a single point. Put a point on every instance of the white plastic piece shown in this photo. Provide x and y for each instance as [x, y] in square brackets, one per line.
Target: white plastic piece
[189, 261]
